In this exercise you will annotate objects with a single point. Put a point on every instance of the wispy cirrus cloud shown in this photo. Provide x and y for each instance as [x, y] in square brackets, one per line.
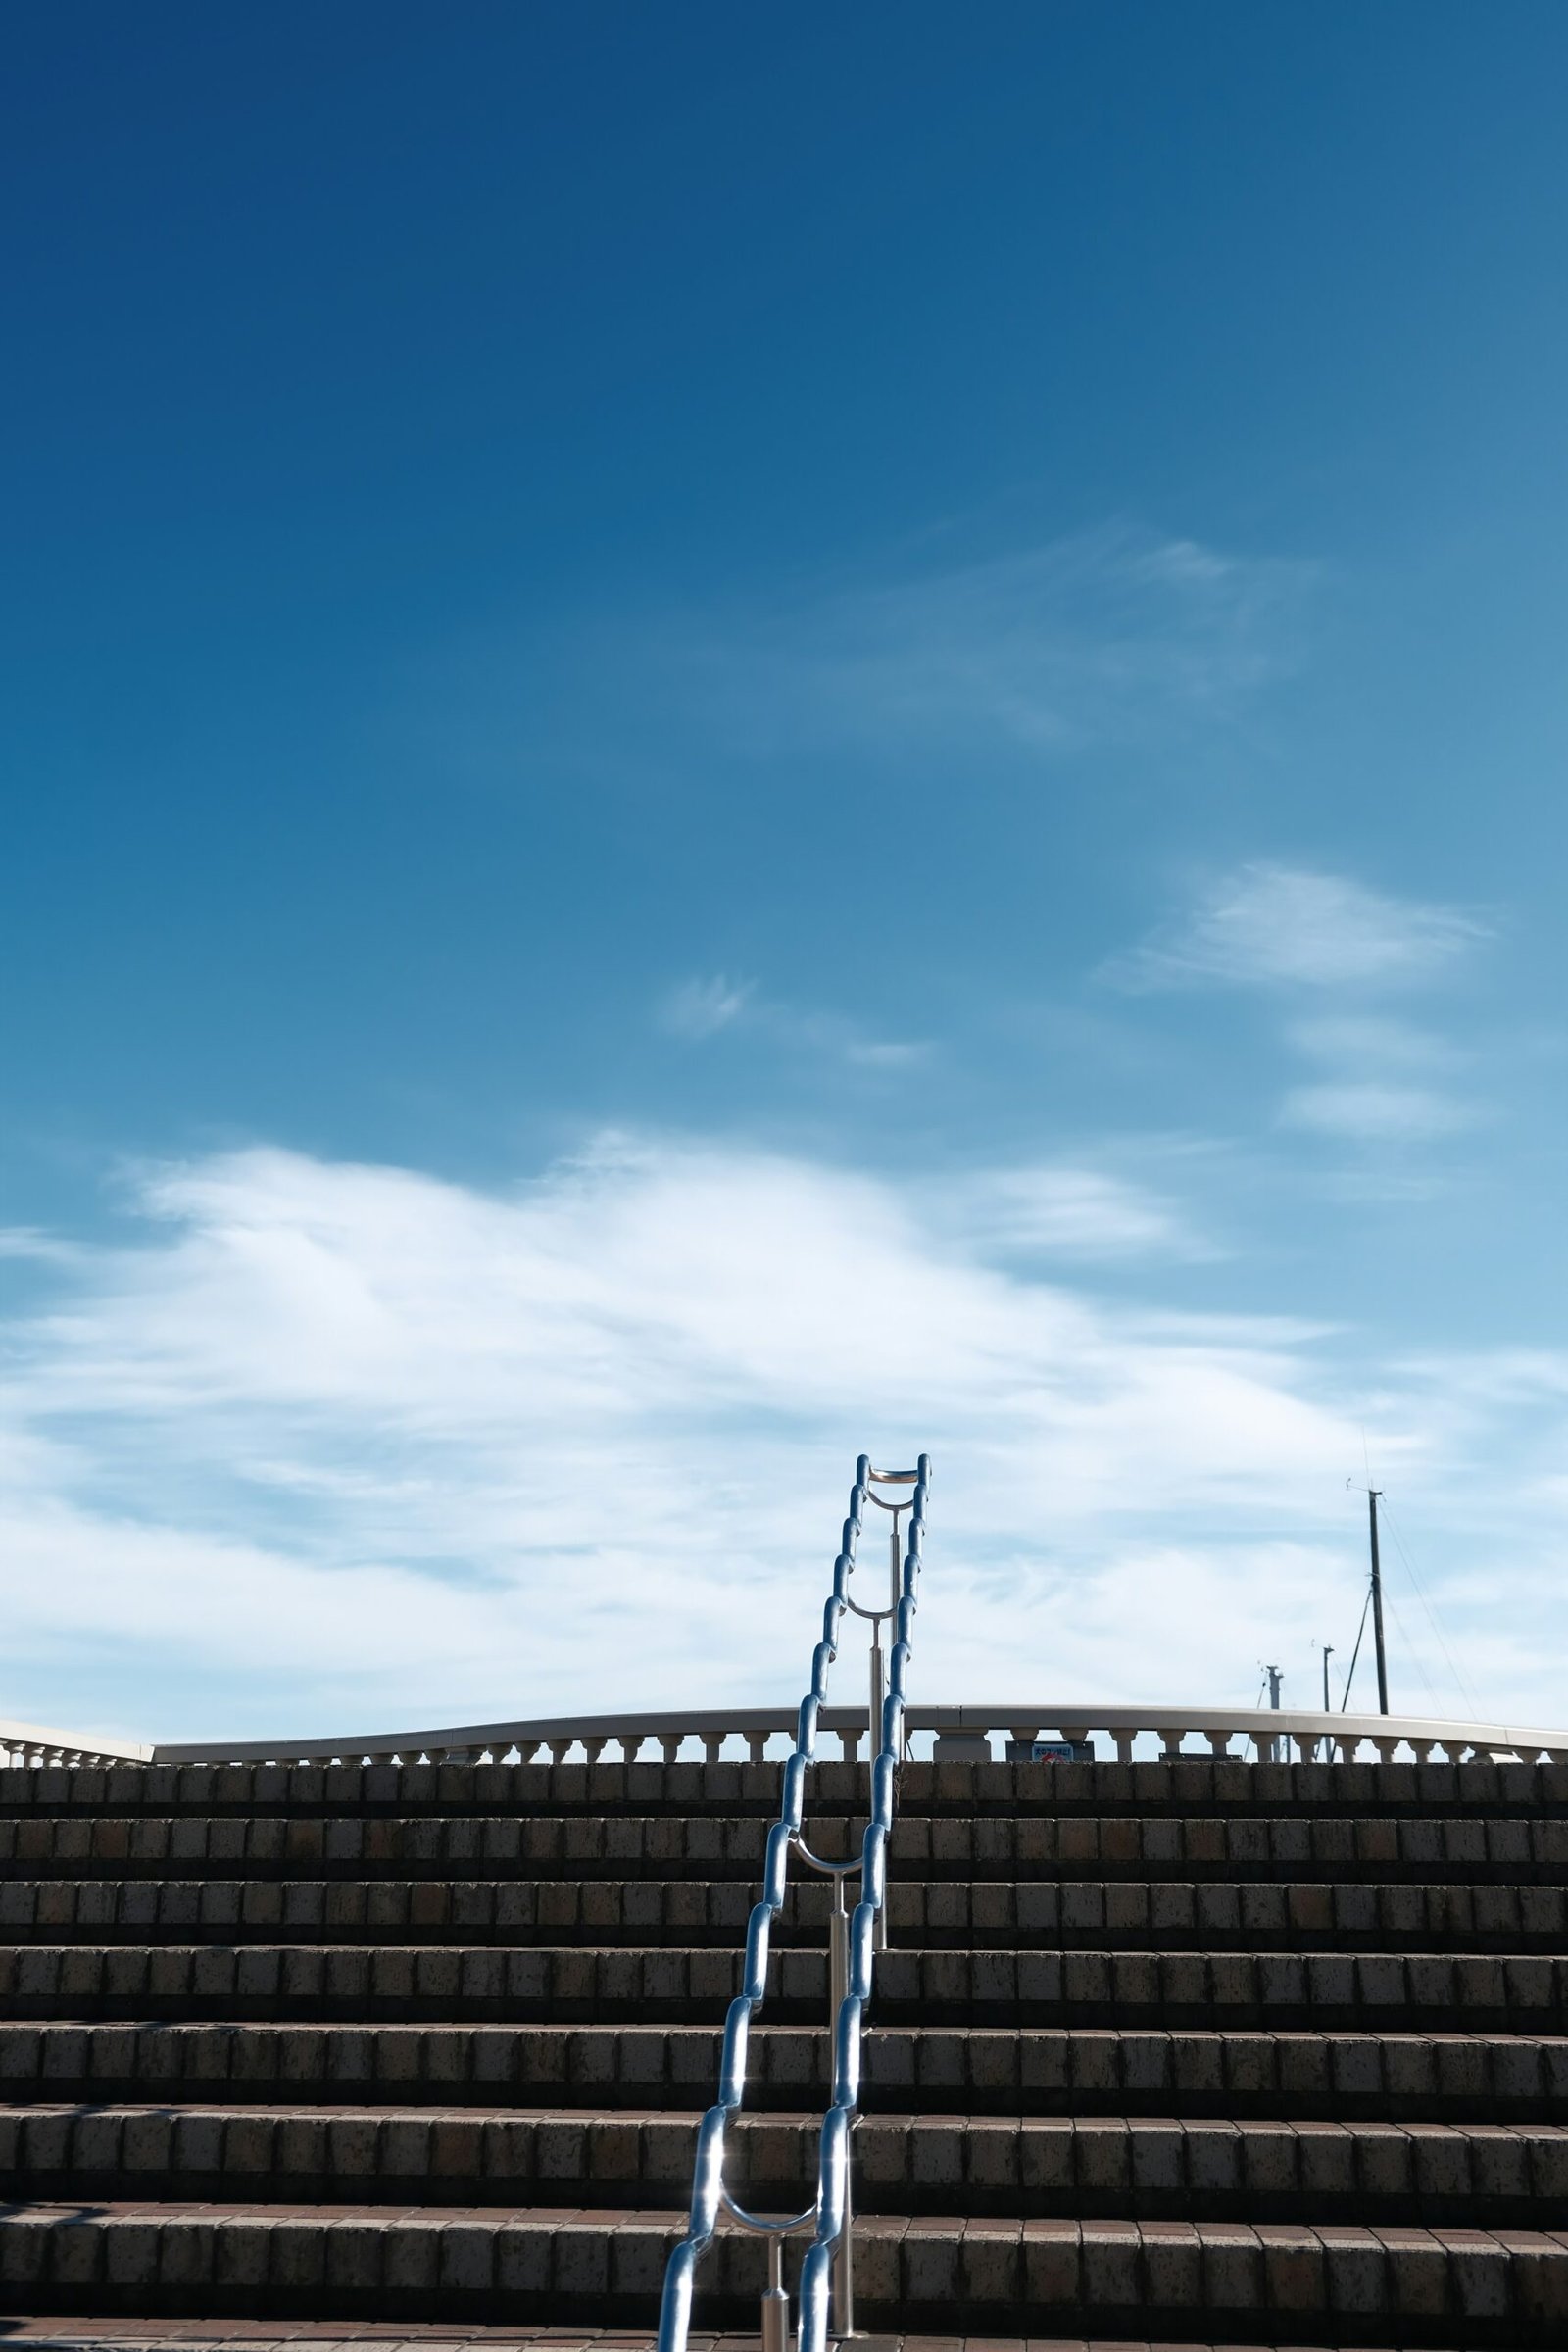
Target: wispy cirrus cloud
[324, 1445]
[1372, 1111]
[1054, 1211]
[1290, 927]
[1336, 945]
[1098, 637]
[1384, 1082]
[1374, 1040]
[699, 1010]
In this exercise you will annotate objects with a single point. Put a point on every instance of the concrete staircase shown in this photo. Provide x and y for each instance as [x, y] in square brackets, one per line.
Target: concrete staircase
[1202, 2052]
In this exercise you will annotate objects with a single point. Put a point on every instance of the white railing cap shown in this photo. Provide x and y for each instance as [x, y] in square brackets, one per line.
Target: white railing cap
[1021, 1719]
[42, 1738]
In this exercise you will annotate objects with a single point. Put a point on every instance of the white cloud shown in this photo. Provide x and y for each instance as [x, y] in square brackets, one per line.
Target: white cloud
[328, 1446]
[701, 1008]
[1366, 1110]
[887, 1054]
[1380, 1091]
[1285, 926]
[1360, 1041]
[1069, 1213]
[1097, 637]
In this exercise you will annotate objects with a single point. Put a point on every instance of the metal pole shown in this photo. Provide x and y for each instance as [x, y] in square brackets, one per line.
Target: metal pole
[775, 2302]
[1377, 1602]
[879, 1933]
[1327, 1744]
[844, 2254]
[838, 1987]
[838, 1954]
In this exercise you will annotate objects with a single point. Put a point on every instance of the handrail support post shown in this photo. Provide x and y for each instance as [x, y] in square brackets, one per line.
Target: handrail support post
[838, 1960]
[838, 1988]
[879, 1930]
[775, 2327]
[843, 2258]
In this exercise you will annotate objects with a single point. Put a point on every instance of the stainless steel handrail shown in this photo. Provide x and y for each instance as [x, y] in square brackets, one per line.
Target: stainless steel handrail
[827, 2259]
[825, 2273]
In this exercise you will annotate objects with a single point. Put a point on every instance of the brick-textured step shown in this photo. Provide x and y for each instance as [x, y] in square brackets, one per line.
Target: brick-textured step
[56, 2335]
[1141, 2167]
[1208, 2052]
[1035, 2276]
[1189, 1787]
[1123, 1915]
[1055, 2071]
[1511, 1852]
[1417, 1992]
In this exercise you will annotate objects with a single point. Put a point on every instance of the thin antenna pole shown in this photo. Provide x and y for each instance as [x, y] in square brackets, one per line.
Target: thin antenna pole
[1372, 1494]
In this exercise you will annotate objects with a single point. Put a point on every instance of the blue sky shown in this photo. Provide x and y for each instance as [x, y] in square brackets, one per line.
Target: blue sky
[734, 734]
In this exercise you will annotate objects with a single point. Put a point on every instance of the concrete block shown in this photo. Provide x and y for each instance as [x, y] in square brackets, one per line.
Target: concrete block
[1480, 2273]
[298, 2254]
[929, 2265]
[25, 2251]
[130, 2251]
[1355, 2271]
[242, 2253]
[991, 2264]
[467, 2260]
[580, 2259]
[1233, 2266]
[1111, 2265]
[75, 2247]
[1173, 2266]
[185, 2254]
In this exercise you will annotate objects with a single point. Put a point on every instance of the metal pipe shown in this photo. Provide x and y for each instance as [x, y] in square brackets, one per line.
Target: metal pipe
[852, 1970]
[844, 2259]
[838, 1987]
[775, 2302]
[877, 1693]
[821, 2271]
[838, 1952]
[878, 1701]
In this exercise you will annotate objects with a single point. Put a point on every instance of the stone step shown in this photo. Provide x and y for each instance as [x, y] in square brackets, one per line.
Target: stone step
[1191, 1785]
[1147, 2168]
[331, 2335]
[998, 2070]
[1338, 1990]
[65, 2334]
[1089, 1915]
[627, 1846]
[1325, 2285]
[328, 2335]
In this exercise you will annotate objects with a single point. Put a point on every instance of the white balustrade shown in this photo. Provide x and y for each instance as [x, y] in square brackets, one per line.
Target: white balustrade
[961, 1733]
